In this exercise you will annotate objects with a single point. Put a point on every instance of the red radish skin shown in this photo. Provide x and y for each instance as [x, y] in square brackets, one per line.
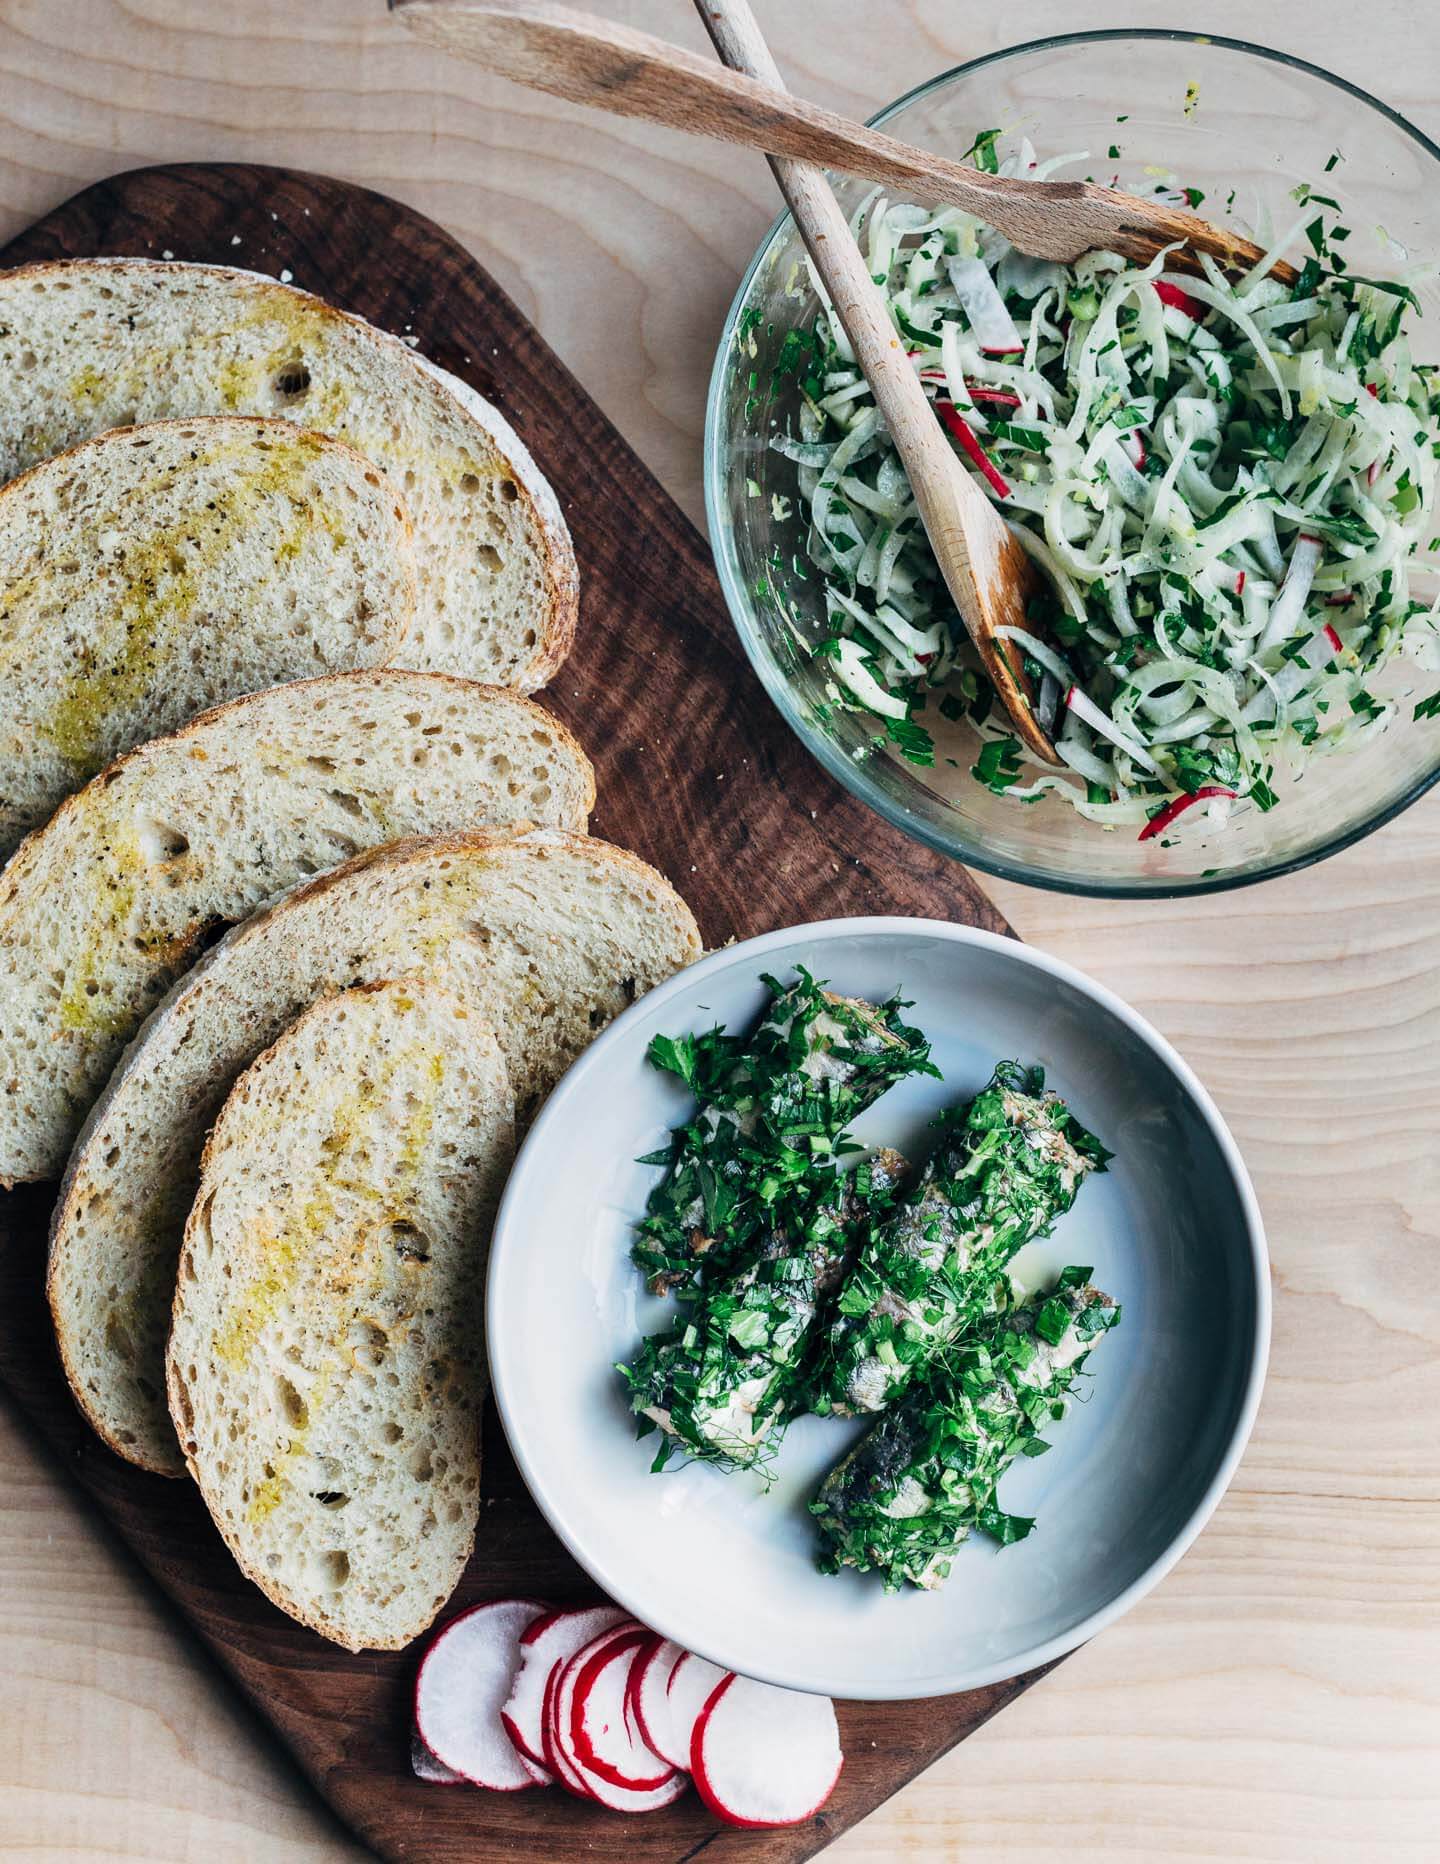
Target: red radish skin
[570, 1779]
[978, 391]
[763, 1757]
[1179, 300]
[1333, 638]
[1240, 582]
[579, 1778]
[560, 1751]
[549, 1644]
[692, 1683]
[627, 1706]
[599, 1737]
[952, 419]
[649, 1684]
[464, 1678]
[1158, 824]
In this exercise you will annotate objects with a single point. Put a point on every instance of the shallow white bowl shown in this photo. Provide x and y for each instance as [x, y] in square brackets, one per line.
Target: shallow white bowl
[724, 1565]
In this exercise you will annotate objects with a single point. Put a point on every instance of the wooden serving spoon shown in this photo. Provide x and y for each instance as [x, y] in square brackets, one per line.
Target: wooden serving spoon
[986, 571]
[589, 60]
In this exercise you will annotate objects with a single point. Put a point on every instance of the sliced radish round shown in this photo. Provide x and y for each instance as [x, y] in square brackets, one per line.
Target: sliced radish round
[599, 1733]
[424, 1766]
[549, 1644]
[561, 1730]
[763, 1756]
[692, 1682]
[649, 1703]
[558, 1763]
[463, 1679]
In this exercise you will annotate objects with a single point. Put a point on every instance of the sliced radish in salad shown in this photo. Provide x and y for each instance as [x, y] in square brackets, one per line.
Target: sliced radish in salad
[1159, 823]
[952, 418]
[599, 1731]
[546, 1645]
[692, 1683]
[979, 295]
[463, 1681]
[1179, 300]
[1090, 714]
[649, 1700]
[981, 391]
[763, 1756]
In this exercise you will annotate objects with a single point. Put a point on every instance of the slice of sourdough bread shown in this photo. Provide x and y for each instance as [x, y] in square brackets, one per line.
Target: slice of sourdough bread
[325, 1362]
[159, 570]
[102, 908]
[546, 935]
[89, 344]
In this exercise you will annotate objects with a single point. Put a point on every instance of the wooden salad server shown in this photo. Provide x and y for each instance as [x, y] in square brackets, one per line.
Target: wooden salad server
[589, 60]
[986, 571]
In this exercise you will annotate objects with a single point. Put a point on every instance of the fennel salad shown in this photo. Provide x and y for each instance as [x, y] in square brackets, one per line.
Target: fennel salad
[1226, 483]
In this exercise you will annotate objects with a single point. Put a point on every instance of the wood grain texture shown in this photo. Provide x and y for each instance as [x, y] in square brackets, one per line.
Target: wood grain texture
[1277, 1699]
[690, 775]
[587, 59]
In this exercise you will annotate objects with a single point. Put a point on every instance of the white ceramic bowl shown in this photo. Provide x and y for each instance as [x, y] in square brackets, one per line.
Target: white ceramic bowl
[725, 1566]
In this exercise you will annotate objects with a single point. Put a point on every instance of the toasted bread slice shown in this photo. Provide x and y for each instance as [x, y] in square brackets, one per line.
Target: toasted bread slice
[546, 935]
[89, 344]
[160, 570]
[102, 908]
[325, 1363]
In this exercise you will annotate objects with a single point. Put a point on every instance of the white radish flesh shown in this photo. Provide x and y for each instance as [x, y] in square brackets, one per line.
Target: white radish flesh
[993, 326]
[692, 1683]
[463, 1681]
[549, 1644]
[1086, 709]
[649, 1702]
[599, 1732]
[763, 1756]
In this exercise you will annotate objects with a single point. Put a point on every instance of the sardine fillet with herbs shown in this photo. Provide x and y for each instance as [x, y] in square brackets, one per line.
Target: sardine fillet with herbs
[771, 1108]
[721, 1381]
[913, 1489]
[1014, 1165]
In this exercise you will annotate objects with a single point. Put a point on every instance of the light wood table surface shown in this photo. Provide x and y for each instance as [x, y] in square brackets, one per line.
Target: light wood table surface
[1279, 1697]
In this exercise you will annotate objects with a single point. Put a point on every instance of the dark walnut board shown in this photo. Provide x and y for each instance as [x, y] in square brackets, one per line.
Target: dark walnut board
[698, 774]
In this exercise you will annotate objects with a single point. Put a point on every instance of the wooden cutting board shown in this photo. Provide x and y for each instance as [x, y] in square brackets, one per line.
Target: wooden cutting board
[698, 774]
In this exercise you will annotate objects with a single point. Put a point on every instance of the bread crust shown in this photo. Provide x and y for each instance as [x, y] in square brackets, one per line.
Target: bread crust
[221, 1136]
[35, 1139]
[266, 924]
[561, 571]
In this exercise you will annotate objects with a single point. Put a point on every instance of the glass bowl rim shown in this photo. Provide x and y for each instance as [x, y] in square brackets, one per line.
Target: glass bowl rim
[855, 777]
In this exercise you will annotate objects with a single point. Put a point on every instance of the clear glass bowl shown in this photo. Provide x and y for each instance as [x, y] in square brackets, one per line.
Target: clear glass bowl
[1221, 115]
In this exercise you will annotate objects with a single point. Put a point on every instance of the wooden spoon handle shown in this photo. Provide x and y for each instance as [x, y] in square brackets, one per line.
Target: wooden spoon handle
[957, 516]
